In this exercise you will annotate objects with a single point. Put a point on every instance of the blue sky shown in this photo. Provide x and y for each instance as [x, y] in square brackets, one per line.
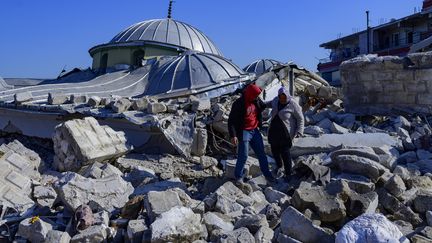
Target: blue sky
[38, 38]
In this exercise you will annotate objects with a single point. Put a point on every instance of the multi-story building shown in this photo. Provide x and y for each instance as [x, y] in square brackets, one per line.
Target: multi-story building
[397, 38]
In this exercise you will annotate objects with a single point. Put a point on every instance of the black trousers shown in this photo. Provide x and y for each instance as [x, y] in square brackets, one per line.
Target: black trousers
[282, 156]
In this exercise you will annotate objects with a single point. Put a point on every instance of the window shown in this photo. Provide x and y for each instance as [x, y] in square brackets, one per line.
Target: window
[104, 62]
[396, 39]
[410, 37]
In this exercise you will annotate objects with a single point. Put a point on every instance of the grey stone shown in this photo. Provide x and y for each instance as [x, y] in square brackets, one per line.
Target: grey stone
[328, 142]
[273, 213]
[426, 231]
[199, 143]
[44, 195]
[200, 104]
[95, 233]
[101, 217]
[213, 221]
[238, 235]
[297, 226]
[420, 239]
[121, 105]
[401, 122]
[135, 230]
[140, 104]
[429, 217]
[178, 224]
[358, 165]
[423, 201]
[94, 101]
[108, 193]
[208, 162]
[370, 228]
[82, 142]
[362, 203]
[229, 198]
[155, 108]
[251, 222]
[57, 99]
[230, 168]
[23, 97]
[55, 236]
[157, 203]
[34, 230]
[395, 186]
[159, 186]
[408, 157]
[364, 152]
[425, 166]
[264, 234]
[313, 130]
[140, 176]
[358, 183]
[78, 99]
[329, 208]
[398, 209]
[405, 227]
[274, 196]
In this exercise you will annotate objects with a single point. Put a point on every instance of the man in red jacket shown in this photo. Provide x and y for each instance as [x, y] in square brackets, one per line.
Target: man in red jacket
[244, 120]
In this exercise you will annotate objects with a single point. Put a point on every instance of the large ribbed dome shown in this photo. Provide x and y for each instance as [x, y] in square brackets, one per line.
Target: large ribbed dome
[261, 66]
[168, 31]
[193, 71]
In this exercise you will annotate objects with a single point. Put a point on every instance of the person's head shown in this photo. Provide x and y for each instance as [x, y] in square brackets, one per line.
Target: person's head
[252, 92]
[283, 95]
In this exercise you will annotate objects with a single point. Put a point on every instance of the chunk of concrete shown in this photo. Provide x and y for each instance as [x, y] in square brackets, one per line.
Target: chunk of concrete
[423, 201]
[140, 104]
[27, 155]
[238, 235]
[297, 226]
[57, 99]
[82, 142]
[157, 203]
[215, 221]
[45, 195]
[94, 101]
[135, 230]
[359, 165]
[78, 99]
[200, 105]
[108, 193]
[329, 142]
[22, 97]
[264, 234]
[121, 105]
[252, 222]
[95, 233]
[34, 229]
[398, 209]
[362, 203]
[178, 224]
[370, 228]
[55, 236]
[155, 108]
[199, 143]
[395, 186]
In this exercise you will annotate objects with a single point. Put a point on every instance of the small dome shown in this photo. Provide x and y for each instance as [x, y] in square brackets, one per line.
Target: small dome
[261, 66]
[168, 31]
[193, 71]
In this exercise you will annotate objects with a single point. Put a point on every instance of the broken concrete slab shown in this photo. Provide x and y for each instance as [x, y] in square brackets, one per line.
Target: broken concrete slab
[55, 236]
[44, 195]
[252, 222]
[359, 165]
[329, 142]
[297, 226]
[57, 98]
[22, 97]
[215, 221]
[31, 156]
[178, 224]
[95, 233]
[155, 108]
[398, 209]
[238, 235]
[157, 203]
[140, 104]
[78, 99]
[108, 193]
[264, 234]
[82, 142]
[395, 186]
[423, 201]
[34, 229]
[370, 227]
[94, 101]
[362, 203]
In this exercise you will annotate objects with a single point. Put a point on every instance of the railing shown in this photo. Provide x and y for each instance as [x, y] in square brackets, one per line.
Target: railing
[401, 42]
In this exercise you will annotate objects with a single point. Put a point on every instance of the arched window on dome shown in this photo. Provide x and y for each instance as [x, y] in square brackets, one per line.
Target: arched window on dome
[104, 62]
[137, 58]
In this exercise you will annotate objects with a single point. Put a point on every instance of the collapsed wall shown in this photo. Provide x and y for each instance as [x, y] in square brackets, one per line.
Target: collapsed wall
[384, 85]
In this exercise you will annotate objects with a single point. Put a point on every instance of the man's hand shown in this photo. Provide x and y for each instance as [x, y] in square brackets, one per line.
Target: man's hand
[234, 141]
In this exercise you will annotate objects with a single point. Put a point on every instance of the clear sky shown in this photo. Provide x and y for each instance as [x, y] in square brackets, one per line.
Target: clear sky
[39, 37]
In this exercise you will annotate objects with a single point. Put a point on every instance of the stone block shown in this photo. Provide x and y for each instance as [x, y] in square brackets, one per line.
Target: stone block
[155, 108]
[78, 99]
[35, 230]
[121, 105]
[57, 99]
[20, 98]
[135, 230]
[383, 76]
[157, 203]
[94, 101]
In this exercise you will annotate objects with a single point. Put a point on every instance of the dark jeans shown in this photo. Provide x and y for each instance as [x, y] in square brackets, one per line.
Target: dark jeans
[281, 153]
[254, 139]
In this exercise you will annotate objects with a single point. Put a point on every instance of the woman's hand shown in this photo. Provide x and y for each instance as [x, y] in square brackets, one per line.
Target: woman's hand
[234, 141]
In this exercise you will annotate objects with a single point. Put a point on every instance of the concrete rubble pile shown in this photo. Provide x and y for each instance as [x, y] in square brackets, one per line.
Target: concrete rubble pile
[355, 178]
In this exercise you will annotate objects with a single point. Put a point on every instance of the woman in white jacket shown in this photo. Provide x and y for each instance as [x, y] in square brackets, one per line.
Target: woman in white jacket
[287, 122]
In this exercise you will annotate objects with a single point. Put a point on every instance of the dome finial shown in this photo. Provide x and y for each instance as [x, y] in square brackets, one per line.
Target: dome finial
[170, 8]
